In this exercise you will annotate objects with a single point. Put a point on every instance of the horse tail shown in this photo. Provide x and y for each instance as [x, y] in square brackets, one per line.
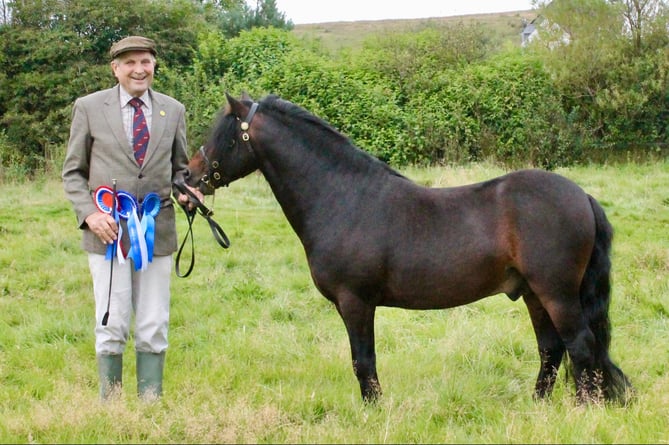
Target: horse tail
[595, 296]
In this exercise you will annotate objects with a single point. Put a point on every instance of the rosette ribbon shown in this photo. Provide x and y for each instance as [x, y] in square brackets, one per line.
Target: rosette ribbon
[128, 210]
[104, 198]
[150, 209]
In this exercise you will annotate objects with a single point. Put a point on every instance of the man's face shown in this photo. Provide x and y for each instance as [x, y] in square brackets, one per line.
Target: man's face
[134, 71]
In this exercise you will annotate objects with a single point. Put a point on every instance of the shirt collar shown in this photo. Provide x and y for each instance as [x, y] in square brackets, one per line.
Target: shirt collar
[125, 97]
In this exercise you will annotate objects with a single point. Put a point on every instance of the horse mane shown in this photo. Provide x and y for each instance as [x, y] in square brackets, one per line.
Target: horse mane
[295, 111]
[292, 111]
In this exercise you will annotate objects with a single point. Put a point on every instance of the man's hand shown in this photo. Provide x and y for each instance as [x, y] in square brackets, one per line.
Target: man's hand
[184, 199]
[104, 226]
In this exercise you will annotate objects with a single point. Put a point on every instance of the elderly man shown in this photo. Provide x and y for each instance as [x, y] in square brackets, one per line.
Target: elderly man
[132, 139]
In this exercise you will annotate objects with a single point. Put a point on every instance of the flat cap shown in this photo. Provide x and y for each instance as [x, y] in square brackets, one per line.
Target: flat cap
[132, 43]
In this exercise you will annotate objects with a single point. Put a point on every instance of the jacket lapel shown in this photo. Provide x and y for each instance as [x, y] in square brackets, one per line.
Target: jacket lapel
[112, 113]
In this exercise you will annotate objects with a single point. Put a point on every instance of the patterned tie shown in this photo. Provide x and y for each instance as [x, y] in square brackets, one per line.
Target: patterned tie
[140, 131]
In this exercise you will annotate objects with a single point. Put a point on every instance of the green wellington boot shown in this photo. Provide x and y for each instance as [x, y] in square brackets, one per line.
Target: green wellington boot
[150, 375]
[110, 371]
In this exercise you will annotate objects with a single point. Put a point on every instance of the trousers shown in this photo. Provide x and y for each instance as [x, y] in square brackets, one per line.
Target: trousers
[144, 293]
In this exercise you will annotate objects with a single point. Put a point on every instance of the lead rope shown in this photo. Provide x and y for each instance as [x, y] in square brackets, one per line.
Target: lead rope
[219, 235]
[216, 230]
[190, 216]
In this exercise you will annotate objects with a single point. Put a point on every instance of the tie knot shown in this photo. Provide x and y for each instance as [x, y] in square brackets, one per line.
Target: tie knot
[136, 102]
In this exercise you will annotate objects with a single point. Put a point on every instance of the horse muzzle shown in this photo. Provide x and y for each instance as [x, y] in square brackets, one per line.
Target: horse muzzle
[203, 184]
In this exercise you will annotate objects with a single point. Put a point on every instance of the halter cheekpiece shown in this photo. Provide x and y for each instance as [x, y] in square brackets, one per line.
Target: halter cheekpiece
[212, 167]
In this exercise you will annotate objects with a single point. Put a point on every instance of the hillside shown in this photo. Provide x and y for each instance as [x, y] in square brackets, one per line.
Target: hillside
[505, 28]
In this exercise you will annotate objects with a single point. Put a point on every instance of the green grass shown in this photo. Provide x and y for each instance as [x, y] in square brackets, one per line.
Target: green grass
[258, 355]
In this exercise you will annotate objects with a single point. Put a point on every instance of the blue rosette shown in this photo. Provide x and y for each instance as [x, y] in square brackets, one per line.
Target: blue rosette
[128, 209]
[150, 209]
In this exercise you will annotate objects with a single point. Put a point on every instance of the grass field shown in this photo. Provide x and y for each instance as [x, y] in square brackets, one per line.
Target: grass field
[501, 27]
[257, 355]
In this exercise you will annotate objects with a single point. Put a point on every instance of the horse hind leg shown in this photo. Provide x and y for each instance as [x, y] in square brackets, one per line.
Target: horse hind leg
[581, 346]
[560, 326]
[550, 345]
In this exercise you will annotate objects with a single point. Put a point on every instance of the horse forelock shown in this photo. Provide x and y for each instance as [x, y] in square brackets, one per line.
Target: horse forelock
[224, 129]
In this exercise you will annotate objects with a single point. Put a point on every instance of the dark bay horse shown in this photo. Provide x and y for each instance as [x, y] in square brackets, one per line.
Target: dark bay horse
[374, 238]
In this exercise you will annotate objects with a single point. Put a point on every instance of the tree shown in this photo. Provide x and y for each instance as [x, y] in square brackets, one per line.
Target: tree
[611, 82]
[5, 12]
[267, 14]
[240, 16]
[54, 51]
[412, 59]
[638, 14]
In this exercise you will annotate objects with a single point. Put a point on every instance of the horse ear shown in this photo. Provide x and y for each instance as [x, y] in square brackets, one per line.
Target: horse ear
[229, 99]
[235, 107]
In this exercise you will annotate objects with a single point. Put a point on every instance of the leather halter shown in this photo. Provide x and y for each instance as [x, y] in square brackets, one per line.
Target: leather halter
[216, 230]
[213, 166]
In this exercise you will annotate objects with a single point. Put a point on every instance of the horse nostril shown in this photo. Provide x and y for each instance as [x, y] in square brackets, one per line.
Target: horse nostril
[186, 175]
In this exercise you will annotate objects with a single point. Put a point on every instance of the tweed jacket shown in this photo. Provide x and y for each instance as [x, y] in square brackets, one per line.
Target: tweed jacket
[98, 151]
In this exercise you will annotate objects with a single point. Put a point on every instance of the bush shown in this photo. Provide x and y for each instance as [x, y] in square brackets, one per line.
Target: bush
[503, 110]
[14, 165]
[271, 61]
[359, 105]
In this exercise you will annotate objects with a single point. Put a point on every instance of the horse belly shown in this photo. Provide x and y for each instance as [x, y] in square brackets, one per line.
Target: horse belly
[446, 286]
[450, 259]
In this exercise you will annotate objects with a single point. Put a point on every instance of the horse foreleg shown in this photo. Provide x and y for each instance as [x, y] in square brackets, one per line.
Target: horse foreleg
[358, 318]
[551, 347]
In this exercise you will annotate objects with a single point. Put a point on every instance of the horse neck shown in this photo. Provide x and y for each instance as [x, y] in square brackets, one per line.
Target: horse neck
[307, 180]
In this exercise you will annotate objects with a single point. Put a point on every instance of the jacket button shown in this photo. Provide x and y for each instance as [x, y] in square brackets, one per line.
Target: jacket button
[140, 176]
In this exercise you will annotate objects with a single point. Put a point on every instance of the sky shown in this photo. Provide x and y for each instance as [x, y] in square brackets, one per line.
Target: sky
[318, 11]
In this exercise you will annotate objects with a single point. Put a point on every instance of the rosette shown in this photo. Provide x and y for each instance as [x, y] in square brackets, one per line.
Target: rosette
[150, 209]
[104, 199]
[128, 210]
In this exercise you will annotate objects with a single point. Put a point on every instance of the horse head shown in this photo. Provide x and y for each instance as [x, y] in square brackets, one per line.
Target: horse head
[228, 153]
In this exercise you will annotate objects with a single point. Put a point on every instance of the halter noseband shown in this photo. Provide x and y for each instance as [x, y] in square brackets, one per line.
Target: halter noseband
[212, 167]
